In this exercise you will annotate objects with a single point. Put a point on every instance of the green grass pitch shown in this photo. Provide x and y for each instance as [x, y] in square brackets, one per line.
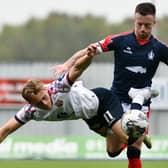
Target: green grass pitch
[76, 164]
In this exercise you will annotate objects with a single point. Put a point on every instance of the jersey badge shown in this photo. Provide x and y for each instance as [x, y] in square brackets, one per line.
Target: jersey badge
[151, 55]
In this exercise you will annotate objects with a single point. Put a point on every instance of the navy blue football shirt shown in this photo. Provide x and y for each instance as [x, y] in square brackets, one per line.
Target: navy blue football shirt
[135, 63]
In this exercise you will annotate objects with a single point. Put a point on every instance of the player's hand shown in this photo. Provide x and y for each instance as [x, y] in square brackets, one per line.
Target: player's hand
[92, 49]
[59, 70]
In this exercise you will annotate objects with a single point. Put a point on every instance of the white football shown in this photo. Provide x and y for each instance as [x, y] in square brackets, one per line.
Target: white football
[134, 122]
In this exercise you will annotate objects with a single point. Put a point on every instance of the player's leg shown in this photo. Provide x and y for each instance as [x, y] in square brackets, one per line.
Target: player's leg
[114, 146]
[134, 151]
[147, 139]
[110, 110]
[150, 94]
[134, 154]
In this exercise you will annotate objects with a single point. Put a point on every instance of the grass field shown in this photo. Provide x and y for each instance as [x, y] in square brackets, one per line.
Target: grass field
[76, 164]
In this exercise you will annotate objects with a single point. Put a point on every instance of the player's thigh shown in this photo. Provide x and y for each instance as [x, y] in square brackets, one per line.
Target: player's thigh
[101, 131]
[113, 143]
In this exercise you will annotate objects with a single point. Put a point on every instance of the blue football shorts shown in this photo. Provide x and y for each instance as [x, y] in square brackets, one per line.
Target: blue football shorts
[109, 111]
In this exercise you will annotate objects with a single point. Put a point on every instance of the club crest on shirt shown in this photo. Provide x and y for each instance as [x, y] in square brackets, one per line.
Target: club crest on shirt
[151, 55]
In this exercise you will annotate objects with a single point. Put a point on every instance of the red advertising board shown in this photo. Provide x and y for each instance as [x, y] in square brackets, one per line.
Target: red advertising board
[10, 91]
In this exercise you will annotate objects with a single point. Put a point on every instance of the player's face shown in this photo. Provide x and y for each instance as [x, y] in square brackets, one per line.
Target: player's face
[144, 26]
[42, 100]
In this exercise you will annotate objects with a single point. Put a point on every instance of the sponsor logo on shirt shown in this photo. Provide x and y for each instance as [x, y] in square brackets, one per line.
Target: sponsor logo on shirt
[136, 69]
[128, 50]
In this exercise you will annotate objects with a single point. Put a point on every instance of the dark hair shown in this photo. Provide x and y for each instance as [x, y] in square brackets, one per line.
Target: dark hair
[146, 8]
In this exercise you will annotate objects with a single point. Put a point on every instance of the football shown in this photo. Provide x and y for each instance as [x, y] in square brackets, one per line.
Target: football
[134, 122]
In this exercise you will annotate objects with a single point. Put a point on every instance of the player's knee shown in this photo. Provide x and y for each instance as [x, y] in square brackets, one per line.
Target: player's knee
[133, 152]
[114, 154]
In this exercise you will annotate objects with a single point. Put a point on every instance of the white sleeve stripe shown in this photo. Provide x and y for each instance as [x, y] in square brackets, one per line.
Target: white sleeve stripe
[99, 49]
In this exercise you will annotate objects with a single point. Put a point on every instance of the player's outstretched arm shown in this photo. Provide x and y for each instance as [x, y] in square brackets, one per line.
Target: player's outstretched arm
[8, 128]
[63, 68]
[80, 65]
[64, 84]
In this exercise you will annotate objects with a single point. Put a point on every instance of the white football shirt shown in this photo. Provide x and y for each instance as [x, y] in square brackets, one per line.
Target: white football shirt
[69, 103]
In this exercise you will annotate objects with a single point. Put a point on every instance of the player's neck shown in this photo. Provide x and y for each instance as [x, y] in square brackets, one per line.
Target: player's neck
[142, 42]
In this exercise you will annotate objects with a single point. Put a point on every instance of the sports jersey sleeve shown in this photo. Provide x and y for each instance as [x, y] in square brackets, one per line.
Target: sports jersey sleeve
[164, 53]
[107, 44]
[112, 42]
[63, 83]
[25, 114]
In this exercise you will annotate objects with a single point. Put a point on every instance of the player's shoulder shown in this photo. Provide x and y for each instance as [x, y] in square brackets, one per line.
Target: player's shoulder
[159, 43]
[51, 87]
[113, 40]
[25, 114]
[61, 85]
[120, 35]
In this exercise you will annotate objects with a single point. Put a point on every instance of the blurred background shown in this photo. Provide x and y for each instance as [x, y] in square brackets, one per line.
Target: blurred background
[36, 35]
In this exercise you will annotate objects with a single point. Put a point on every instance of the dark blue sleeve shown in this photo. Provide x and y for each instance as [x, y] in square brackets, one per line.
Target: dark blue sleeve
[164, 53]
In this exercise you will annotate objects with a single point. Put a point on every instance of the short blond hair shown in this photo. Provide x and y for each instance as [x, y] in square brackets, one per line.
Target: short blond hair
[32, 87]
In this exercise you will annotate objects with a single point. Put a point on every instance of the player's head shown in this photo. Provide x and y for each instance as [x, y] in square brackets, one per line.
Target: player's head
[37, 95]
[144, 20]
